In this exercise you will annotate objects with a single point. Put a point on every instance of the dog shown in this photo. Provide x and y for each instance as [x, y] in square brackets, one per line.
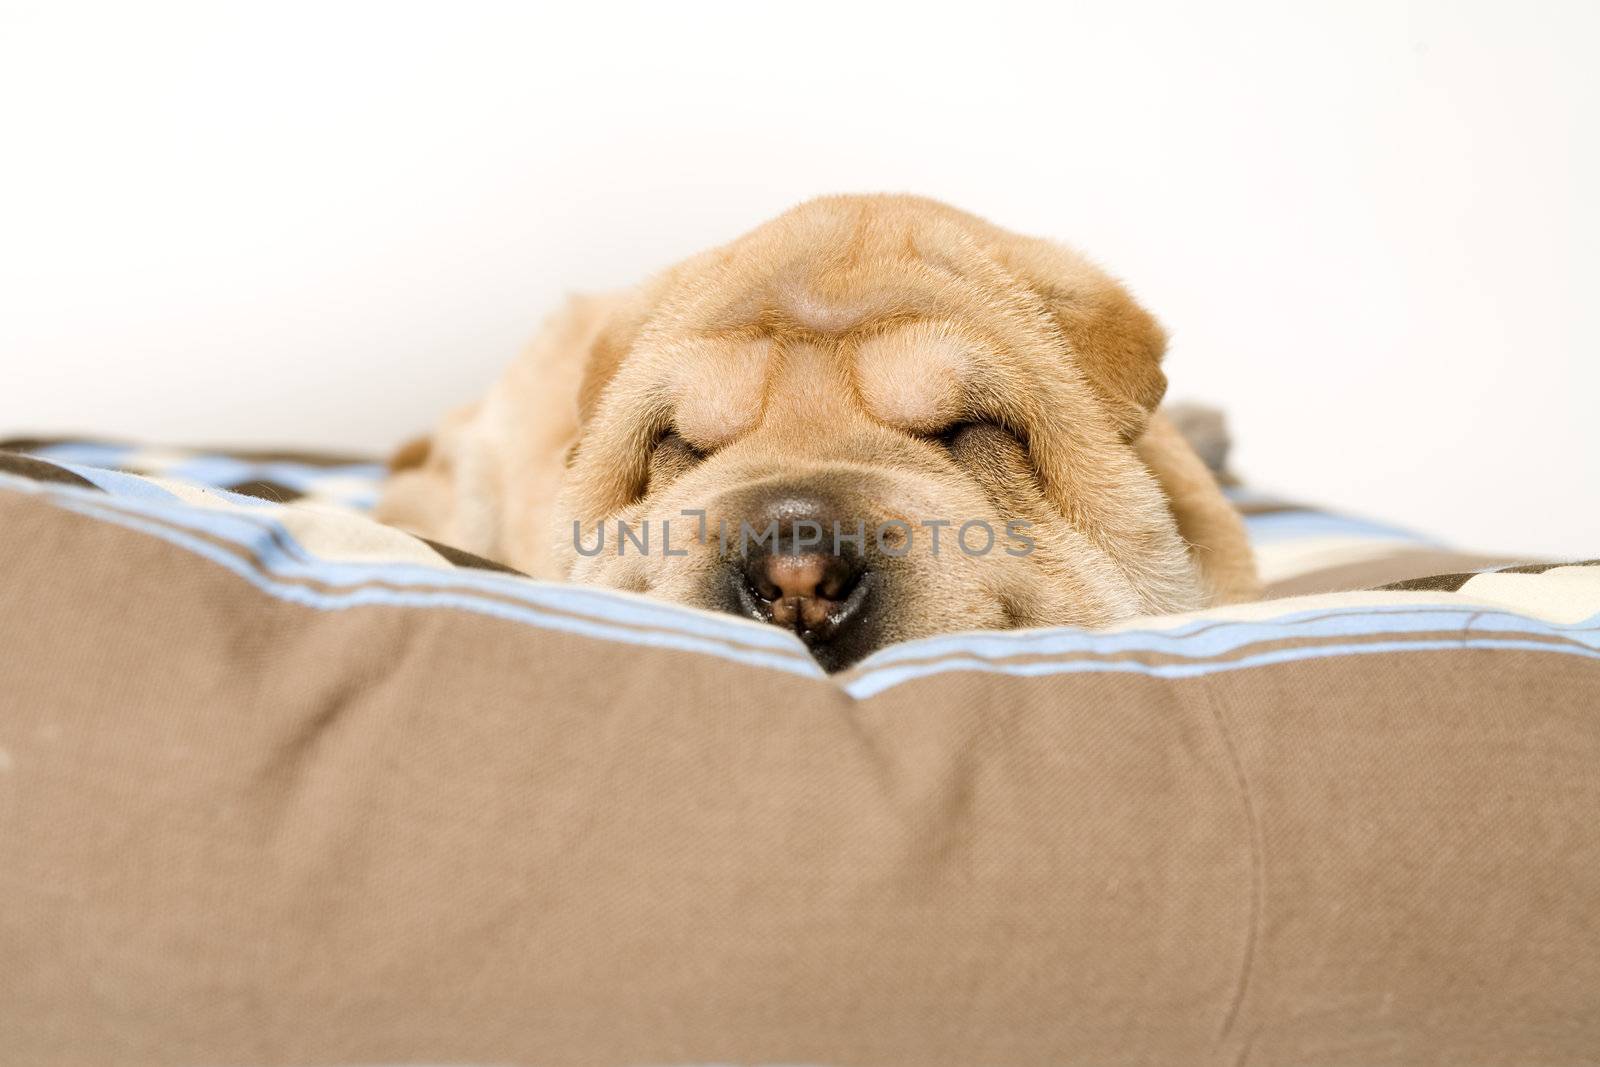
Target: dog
[871, 419]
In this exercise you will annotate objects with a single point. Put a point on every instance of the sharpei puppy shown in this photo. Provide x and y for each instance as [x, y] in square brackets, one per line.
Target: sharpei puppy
[873, 418]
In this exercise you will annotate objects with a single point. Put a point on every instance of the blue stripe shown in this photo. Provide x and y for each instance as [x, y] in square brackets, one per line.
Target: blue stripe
[278, 551]
[89, 453]
[876, 682]
[1279, 526]
[1205, 637]
[276, 548]
[1244, 494]
[227, 470]
[216, 470]
[122, 486]
[801, 664]
[363, 501]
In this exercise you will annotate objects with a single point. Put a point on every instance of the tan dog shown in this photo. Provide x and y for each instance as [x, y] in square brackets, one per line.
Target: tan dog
[817, 424]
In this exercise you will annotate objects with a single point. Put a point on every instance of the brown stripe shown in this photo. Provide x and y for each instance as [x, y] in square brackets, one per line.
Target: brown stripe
[39, 470]
[462, 558]
[29, 444]
[280, 455]
[1269, 506]
[1398, 566]
[1453, 582]
[263, 489]
[1444, 583]
[1541, 568]
[249, 455]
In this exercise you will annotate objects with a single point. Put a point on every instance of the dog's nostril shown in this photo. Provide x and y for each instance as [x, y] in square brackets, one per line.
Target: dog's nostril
[812, 593]
[807, 576]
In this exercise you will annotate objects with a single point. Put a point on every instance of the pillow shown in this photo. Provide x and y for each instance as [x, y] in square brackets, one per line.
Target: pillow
[279, 785]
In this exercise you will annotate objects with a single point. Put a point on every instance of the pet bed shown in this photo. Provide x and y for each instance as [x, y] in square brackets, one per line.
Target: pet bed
[281, 786]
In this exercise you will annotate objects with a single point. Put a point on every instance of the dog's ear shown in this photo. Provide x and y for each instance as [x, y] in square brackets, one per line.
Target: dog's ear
[1116, 344]
[610, 344]
[414, 453]
[614, 324]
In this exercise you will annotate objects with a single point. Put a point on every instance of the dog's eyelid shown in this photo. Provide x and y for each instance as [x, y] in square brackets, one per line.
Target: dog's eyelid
[671, 435]
[947, 436]
[951, 429]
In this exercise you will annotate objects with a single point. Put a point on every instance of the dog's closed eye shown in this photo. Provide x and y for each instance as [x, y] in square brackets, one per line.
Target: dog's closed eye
[671, 458]
[996, 459]
[673, 445]
[968, 434]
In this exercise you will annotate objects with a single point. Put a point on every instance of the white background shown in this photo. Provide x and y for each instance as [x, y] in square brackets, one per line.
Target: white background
[1370, 227]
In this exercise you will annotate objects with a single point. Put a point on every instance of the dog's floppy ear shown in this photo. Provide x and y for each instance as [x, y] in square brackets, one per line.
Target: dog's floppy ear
[1157, 492]
[616, 330]
[414, 453]
[1117, 344]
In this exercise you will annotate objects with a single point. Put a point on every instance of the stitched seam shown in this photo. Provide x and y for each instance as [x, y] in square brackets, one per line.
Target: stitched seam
[1257, 882]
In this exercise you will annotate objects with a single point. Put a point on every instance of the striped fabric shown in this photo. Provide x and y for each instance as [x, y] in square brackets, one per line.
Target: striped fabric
[228, 508]
[321, 552]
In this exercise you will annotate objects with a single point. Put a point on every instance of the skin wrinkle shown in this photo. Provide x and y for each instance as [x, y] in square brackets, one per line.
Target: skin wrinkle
[833, 342]
[719, 398]
[887, 378]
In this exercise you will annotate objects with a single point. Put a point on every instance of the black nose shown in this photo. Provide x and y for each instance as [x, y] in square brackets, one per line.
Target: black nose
[818, 586]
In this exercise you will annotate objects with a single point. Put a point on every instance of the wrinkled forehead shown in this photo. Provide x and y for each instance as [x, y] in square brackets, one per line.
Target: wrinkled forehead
[910, 376]
[830, 312]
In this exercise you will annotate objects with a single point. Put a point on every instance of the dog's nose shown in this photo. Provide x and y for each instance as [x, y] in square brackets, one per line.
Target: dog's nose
[808, 593]
[796, 558]
[825, 598]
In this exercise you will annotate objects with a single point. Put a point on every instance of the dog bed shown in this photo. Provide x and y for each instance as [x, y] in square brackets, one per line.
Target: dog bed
[282, 786]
